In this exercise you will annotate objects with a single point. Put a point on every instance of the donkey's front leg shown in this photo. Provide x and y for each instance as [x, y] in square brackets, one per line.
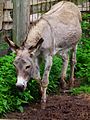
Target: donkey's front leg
[45, 79]
[36, 74]
[37, 70]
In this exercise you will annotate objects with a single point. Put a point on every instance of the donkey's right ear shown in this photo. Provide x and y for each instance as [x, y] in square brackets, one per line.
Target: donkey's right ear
[12, 45]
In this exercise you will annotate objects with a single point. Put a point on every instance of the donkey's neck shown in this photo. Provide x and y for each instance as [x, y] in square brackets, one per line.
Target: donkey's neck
[35, 34]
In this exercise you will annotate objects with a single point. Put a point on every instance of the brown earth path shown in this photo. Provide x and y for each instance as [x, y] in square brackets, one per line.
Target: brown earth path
[58, 107]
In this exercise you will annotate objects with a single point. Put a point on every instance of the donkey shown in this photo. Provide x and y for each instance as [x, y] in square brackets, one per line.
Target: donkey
[57, 32]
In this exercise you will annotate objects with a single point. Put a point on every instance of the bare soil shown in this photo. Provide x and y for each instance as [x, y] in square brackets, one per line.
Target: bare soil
[58, 107]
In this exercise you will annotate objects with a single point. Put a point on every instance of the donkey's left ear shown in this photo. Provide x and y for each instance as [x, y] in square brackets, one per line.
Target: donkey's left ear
[37, 46]
[12, 45]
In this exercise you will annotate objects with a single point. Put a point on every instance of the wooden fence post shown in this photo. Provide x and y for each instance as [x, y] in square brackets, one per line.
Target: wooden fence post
[1, 13]
[21, 20]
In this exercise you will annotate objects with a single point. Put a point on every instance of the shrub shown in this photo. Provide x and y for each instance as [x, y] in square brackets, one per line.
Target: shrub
[10, 98]
[83, 52]
[83, 59]
[80, 90]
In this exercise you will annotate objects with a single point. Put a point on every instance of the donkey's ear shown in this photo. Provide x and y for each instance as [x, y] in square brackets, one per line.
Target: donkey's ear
[37, 46]
[39, 43]
[13, 46]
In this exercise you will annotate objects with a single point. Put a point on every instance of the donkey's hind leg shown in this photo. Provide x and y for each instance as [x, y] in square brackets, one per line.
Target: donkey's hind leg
[72, 65]
[64, 69]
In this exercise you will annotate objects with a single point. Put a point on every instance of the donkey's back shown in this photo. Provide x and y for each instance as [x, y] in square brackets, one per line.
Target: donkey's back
[61, 26]
[63, 8]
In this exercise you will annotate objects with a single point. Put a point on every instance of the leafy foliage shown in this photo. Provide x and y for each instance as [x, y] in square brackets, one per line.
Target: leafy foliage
[83, 52]
[10, 98]
[81, 89]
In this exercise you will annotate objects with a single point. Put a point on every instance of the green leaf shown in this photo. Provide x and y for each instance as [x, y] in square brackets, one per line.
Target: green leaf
[21, 109]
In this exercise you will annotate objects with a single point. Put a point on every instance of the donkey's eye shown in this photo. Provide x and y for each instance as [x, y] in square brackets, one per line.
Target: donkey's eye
[28, 66]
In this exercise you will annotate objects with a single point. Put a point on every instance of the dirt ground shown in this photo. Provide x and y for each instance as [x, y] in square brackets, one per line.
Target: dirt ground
[58, 107]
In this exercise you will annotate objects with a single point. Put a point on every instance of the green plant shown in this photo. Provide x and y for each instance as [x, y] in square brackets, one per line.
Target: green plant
[10, 97]
[83, 52]
[81, 89]
[3, 44]
[83, 59]
[86, 25]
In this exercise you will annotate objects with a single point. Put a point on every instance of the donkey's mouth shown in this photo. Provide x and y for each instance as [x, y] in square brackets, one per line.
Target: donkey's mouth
[20, 88]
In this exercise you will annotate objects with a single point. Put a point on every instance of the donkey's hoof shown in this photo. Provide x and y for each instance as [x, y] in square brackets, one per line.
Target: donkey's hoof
[43, 105]
[71, 84]
[63, 85]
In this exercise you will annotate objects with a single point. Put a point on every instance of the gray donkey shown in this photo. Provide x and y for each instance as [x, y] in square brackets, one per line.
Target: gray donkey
[57, 32]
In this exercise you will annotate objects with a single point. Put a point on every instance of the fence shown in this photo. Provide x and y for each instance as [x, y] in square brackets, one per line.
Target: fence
[37, 8]
[5, 18]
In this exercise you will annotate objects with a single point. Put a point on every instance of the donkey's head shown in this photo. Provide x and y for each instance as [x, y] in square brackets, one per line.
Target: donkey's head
[24, 62]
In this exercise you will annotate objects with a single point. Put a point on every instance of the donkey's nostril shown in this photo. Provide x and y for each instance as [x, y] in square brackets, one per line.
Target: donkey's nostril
[20, 87]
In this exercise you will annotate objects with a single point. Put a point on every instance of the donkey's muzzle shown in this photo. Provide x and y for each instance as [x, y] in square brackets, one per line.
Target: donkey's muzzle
[20, 87]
